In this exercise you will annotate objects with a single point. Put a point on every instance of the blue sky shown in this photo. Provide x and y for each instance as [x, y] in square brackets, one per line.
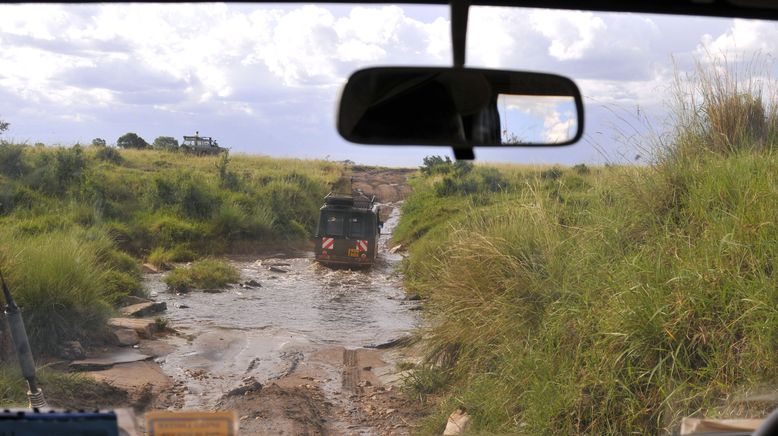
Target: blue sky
[265, 79]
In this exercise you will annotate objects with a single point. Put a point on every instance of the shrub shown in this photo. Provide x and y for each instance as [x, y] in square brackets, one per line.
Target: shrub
[551, 174]
[581, 169]
[198, 200]
[131, 140]
[165, 143]
[12, 160]
[59, 283]
[109, 154]
[162, 258]
[436, 165]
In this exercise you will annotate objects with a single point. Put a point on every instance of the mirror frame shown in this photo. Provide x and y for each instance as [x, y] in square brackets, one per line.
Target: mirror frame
[540, 77]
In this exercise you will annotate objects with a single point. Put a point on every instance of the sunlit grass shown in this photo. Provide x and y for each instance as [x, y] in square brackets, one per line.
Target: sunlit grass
[605, 300]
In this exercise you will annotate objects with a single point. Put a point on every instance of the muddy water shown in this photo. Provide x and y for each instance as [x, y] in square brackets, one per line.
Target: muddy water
[264, 332]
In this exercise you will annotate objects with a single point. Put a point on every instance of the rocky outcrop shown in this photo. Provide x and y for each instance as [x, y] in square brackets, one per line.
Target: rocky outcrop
[147, 308]
[144, 327]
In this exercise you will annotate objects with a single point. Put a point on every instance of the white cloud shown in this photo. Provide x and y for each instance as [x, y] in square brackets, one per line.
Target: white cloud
[245, 68]
[742, 40]
[572, 34]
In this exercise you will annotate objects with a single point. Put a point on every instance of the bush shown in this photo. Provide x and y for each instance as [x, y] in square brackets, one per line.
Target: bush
[551, 174]
[58, 281]
[579, 317]
[203, 274]
[581, 169]
[436, 165]
[165, 143]
[109, 154]
[198, 200]
[163, 258]
[131, 140]
[12, 160]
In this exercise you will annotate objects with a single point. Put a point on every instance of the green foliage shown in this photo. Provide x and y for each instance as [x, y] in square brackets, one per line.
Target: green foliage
[59, 388]
[165, 143]
[131, 140]
[67, 212]
[109, 154]
[99, 142]
[11, 160]
[610, 300]
[425, 380]
[4, 125]
[61, 282]
[551, 174]
[581, 169]
[203, 274]
[464, 179]
[436, 165]
[164, 258]
[227, 178]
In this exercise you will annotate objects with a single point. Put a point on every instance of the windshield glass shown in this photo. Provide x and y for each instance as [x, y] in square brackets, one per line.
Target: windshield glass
[358, 226]
[333, 223]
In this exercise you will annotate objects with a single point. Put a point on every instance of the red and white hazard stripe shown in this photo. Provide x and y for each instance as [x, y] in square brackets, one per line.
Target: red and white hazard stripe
[362, 245]
[327, 243]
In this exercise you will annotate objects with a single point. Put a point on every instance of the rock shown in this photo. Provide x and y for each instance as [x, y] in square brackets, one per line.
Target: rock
[72, 350]
[413, 297]
[277, 269]
[392, 343]
[250, 384]
[144, 309]
[129, 300]
[145, 327]
[457, 423]
[149, 268]
[212, 291]
[252, 284]
[109, 360]
[183, 306]
[126, 337]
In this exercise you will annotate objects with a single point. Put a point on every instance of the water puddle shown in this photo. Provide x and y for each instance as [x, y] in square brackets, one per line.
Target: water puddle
[264, 332]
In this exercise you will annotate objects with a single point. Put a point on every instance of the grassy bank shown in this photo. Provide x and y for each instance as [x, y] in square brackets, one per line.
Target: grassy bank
[75, 223]
[608, 300]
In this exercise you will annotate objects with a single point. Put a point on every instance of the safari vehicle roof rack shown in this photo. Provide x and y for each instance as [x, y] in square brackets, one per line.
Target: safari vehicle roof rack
[359, 200]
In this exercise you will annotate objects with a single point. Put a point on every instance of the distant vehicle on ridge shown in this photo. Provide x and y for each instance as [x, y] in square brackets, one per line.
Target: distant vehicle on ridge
[201, 145]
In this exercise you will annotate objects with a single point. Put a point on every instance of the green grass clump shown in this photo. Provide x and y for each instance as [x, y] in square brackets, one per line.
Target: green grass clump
[164, 258]
[610, 300]
[203, 274]
[59, 389]
[64, 284]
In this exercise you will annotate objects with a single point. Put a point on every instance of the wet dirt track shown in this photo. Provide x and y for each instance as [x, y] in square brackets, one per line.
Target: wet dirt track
[307, 336]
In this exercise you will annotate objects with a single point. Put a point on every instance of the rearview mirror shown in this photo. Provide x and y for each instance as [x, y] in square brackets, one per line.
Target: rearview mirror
[459, 107]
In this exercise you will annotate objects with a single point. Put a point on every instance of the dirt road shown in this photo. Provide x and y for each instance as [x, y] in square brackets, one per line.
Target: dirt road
[304, 353]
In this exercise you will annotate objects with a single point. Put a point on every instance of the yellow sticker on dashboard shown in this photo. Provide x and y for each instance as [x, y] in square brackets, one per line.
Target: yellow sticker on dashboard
[191, 423]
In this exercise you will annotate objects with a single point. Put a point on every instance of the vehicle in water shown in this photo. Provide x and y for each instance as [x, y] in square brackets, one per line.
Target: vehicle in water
[201, 145]
[348, 231]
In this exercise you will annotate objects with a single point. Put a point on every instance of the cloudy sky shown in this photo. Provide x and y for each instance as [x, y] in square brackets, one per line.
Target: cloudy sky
[266, 79]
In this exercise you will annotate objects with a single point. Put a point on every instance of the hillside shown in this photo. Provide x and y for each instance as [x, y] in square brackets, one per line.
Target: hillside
[76, 222]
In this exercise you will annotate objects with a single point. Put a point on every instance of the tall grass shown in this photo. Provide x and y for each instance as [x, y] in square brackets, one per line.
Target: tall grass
[203, 274]
[614, 300]
[65, 284]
